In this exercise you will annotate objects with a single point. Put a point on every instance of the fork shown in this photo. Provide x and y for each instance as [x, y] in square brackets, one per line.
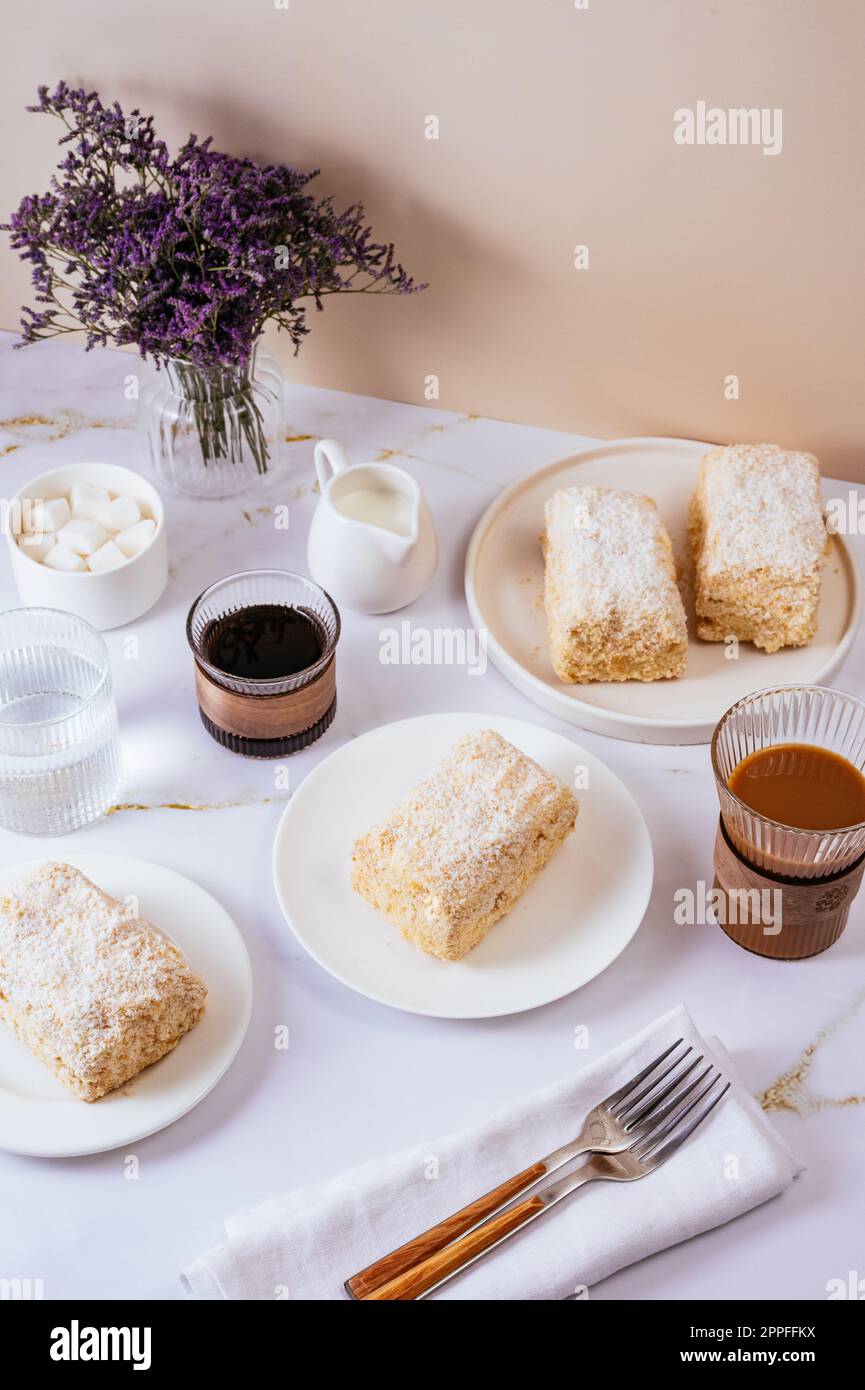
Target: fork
[665, 1132]
[610, 1127]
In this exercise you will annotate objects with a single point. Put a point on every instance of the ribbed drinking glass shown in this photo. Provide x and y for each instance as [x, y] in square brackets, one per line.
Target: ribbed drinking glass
[798, 714]
[268, 715]
[59, 754]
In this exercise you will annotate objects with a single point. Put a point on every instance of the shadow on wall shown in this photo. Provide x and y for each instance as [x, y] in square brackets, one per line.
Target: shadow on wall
[428, 242]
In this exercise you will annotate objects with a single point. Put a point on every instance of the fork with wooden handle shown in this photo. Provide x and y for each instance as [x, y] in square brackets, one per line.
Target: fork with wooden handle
[669, 1128]
[609, 1128]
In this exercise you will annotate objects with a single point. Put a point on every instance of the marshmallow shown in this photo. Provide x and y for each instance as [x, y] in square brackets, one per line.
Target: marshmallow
[117, 514]
[60, 557]
[82, 536]
[135, 538]
[52, 514]
[88, 530]
[37, 547]
[85, 498]
[108, 557]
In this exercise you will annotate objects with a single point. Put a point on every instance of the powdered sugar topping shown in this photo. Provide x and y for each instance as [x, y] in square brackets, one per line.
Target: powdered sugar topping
[607, 554]
[764, 509]
[476, 809]
[81, 965]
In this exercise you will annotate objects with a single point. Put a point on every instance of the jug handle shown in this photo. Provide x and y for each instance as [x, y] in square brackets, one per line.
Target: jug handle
[330, 459]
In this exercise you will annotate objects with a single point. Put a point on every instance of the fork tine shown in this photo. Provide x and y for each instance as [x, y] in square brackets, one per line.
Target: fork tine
[651, 1139]
[628, 1087]
[622, 1110]
[654, 1110]
[660, 1155]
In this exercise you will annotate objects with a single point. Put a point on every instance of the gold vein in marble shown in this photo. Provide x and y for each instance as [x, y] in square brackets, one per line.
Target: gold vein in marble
[382, 455]
[17, 422]
[194, 805]
[271, 482]
[59, 426]
[790, 1090]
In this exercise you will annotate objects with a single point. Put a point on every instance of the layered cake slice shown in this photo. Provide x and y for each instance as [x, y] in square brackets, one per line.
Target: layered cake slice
[92, 990]
[614, 611]
[758, 538]
[456, 854]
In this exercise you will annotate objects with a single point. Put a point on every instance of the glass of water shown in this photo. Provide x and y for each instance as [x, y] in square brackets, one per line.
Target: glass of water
[59, 755]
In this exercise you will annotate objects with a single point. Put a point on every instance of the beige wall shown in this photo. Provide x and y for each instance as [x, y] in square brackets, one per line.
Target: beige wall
[556, 128]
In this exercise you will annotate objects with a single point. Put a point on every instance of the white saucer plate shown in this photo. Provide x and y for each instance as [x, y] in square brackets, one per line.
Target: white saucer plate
[504, 588]
[40, 1117]
[571, 923]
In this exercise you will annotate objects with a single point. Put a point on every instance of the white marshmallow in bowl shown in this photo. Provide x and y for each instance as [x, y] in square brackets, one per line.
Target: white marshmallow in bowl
[82, 536]
[108, 557]
[37, 545]
[84, 498]
[134, 539]
[54, 513]
[60, 557]
[117, 513]
[73, 561]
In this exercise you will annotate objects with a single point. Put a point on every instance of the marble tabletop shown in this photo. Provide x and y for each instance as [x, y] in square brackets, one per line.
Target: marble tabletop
[359, 1080]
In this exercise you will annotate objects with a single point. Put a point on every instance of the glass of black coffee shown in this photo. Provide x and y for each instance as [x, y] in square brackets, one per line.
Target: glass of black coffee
[264, 643]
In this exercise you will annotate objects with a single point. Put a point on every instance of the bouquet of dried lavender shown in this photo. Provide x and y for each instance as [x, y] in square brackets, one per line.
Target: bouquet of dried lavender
[186, 256]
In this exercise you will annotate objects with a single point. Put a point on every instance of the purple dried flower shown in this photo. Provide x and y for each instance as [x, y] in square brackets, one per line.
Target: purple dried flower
[188, 256]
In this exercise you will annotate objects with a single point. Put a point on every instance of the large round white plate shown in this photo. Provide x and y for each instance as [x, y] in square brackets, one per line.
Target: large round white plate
[570, 924]
[504, 589]
[38, 1116]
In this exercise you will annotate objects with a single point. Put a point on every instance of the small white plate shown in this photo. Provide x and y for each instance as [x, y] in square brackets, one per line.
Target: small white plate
[570, 924]
[40, 1117]
[505, 585]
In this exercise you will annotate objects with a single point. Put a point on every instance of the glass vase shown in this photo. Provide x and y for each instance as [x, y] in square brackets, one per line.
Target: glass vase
[214, 433]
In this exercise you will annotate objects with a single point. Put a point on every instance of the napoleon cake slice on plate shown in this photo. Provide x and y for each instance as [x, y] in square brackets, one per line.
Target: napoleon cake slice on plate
[454, 856]
[89, 987]
[758, 539]
[614, 611]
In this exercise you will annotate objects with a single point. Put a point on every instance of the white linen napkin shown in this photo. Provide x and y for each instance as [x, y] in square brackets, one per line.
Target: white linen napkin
[303, 1245]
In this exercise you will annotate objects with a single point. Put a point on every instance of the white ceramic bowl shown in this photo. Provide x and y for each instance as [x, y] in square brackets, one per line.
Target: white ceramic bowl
[103, 600]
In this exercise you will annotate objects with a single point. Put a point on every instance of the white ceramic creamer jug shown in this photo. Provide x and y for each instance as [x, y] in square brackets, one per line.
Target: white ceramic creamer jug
[372, 543]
